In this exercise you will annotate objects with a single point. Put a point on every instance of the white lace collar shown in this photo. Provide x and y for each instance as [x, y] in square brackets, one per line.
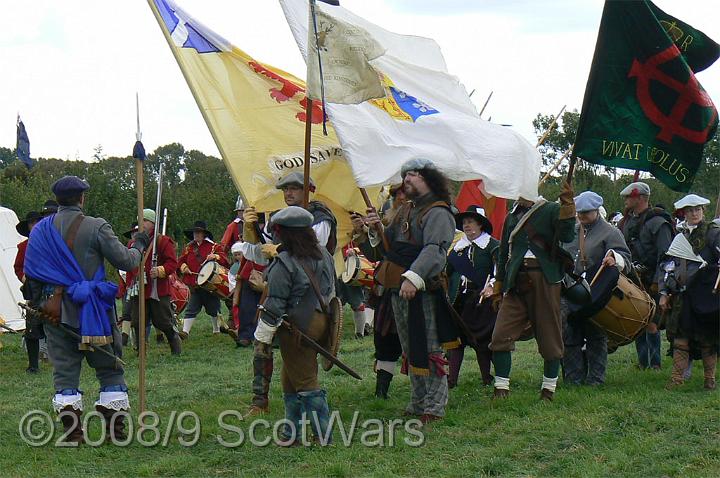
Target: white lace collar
[481, 241]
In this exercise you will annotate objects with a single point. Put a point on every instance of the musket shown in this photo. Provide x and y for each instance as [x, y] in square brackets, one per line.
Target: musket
[37, 313]
[154, 263]
[313, 345]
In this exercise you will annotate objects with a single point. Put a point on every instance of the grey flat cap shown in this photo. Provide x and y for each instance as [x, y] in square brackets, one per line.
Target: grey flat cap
[295, 178]
[636, 189]
[691, 200]
[416, 164]
[292, 216]
[588, 201]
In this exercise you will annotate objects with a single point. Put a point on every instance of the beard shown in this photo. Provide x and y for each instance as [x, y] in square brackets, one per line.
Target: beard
[410, 191]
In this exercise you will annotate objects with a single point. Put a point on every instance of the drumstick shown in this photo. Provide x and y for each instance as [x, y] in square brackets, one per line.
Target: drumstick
[717, 283]
[597, 274]
[487, 282]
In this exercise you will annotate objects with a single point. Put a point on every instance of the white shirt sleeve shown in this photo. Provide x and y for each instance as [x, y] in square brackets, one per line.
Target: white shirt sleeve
[322, 231]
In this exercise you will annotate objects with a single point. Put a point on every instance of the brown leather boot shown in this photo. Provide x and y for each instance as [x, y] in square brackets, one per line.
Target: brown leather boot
[72, 425]
[709, 359]
[546, 395]
[255, 410]
[681, 361]
[114, 423]
[500, 393]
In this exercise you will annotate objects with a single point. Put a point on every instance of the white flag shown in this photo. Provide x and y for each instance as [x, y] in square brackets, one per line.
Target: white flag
[426, 113]
[345, 51]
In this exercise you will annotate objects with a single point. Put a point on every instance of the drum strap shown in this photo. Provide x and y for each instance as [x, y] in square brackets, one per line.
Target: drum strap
[581, 246]
[315, 286]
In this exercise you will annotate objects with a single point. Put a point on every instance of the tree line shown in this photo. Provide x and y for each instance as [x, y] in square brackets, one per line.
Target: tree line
[198, 186]
[195, 187]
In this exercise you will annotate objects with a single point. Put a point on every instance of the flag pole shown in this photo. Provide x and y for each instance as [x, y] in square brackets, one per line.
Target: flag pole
[550, 128]
[308, 140]
[485, 105]
[555, 166]
[196, 96]
[378, 227]
[571, 169]
[308, 112]
[139, 155]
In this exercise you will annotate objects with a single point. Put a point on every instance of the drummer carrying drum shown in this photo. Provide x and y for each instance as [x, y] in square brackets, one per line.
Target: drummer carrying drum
[688, 286]
[200, 249]
[648, 232]
[598, 248]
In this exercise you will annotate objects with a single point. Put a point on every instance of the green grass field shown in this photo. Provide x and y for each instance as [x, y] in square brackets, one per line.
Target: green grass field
[631, 426]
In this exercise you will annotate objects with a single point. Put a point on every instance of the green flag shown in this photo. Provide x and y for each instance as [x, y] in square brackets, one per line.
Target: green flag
[643, 107]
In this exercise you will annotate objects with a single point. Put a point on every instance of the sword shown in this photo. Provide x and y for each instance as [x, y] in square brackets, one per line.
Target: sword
[313, 345]
[69, 332]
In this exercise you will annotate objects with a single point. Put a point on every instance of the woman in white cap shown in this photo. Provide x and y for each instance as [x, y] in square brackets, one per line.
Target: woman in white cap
[686, 288]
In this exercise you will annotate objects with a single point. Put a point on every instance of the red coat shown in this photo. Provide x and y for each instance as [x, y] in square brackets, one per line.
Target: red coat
[233, 233]
[167, 259]
[20, 259]
[195, 256]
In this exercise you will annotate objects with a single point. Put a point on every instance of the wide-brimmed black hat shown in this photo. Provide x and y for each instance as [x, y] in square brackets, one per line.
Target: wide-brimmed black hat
[23, 227]
[198, 226]
[133, 230]
[477, 213]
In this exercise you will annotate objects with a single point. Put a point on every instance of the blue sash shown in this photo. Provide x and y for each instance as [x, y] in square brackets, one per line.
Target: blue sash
[48, 259]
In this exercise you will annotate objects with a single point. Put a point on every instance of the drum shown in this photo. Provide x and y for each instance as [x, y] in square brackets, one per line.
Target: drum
[626, 314]
[179, 294]
[214, 278]
[358, 271]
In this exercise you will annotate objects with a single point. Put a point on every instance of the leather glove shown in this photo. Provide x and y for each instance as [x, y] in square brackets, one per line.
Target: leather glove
[184, 268]
[270, 250]
[249, 215]
[497, 295]
[567, 202]
[142, 240]
[265, 332]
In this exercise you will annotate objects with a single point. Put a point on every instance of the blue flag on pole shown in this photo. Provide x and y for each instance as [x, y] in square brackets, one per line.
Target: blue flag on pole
[22, 145]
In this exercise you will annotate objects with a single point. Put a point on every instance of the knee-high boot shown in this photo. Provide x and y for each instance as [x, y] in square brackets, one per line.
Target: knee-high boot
[292, 432]
[262, 375]
[709, 360]
[681, 359]
[316, 407]
[33, 351]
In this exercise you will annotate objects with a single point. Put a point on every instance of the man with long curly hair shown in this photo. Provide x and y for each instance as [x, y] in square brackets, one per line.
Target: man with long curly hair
[419, 236]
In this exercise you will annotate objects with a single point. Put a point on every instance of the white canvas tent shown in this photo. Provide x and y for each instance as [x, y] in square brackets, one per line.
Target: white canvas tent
[10, 293]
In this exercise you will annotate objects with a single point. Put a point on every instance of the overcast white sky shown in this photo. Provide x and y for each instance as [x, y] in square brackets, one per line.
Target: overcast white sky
[72, 68]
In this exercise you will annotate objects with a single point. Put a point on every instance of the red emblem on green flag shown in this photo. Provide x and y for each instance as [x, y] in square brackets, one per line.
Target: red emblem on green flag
[644, 108]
